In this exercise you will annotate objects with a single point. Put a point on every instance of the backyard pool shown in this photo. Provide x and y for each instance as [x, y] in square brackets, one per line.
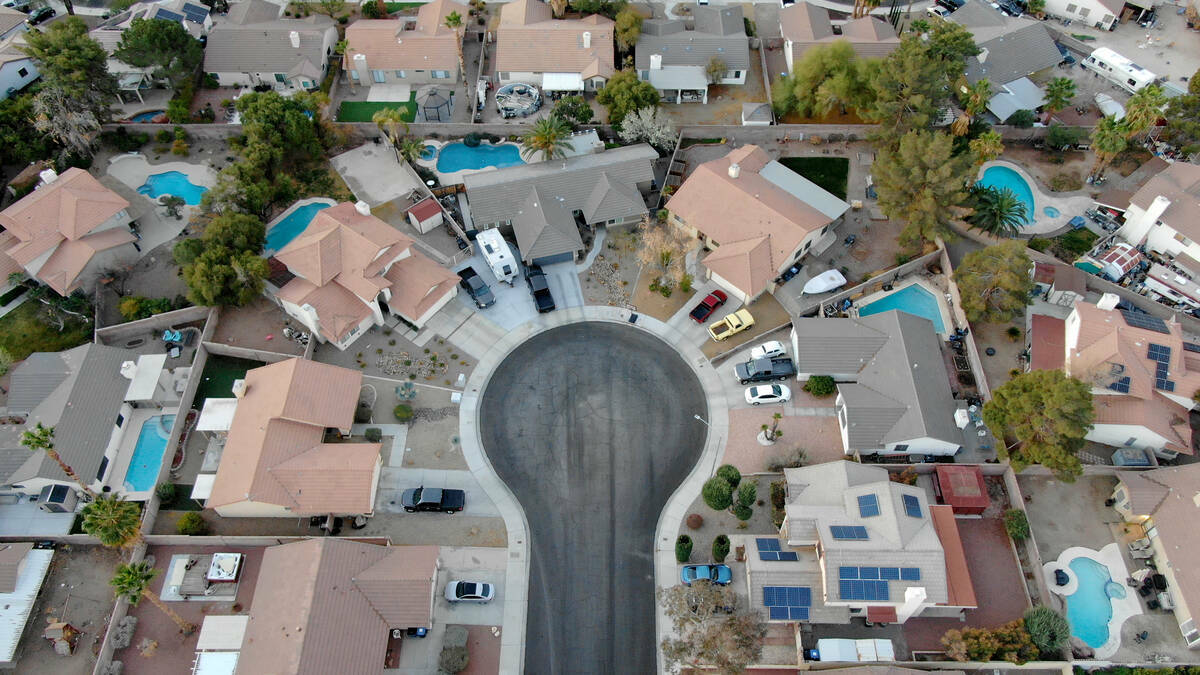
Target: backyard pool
[1089, 608]
[172, 183]
[912, 299]
[282, 233]
[428, 151]
[147, 116]
[459, 157]
[147, 458]
[1001, 177]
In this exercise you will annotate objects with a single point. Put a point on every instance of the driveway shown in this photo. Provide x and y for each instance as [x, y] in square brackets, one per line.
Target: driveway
[590, 425]
[393, 482]
[470, 564]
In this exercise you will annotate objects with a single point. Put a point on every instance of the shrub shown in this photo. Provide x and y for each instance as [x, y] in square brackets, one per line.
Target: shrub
[1016, 524]
[192, 524]
[747, 493]
[720, 548]
[820, 386]
[164, 136]
[695, 521]
[683, 548]
[166, 492]
[211, 81]
[1009, 642]
[742, 513]
[403, 412]
[179, 108]
[717, 493]
[471, 140]
[778, 500]
[1013, 333]
[452, 659]
[731, 474]
[1049, 631]
[1021, 119]
[180, 134]
[685, 284]
[123, 141]
[373, 435]
[180, 148]
[792, 461]
[1039, 244]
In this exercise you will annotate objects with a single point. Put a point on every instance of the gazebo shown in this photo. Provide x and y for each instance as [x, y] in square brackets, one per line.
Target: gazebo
[435, 105]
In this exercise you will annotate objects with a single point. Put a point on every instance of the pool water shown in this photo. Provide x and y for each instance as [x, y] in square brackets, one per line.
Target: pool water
[148, 453]
[912, 299]
[147, 116]
[1089, 608]
[1089, 267]
[459, 157]
[172, 183]
[1001, 177]
[282, 233]
[428, 152]
[1052, 212]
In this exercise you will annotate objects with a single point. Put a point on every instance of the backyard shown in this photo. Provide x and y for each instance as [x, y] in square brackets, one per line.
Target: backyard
[362, 111]
[829, 173]
[25, 330]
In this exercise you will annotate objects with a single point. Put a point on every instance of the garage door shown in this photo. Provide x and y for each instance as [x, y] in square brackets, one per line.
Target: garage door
[551, 259]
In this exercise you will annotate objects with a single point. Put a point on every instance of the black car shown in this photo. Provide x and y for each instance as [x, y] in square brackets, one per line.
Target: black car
[1148, 18]
[951, 4]
[474, 285]
[1067, 59]
[536, 278]
[433, 499]
[39, 15]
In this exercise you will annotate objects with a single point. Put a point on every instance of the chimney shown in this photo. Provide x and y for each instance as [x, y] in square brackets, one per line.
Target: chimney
[128, 370]
[982, 55]
[656, 62]
[294, 36]
[239, 388]
[363, 208]
[587, 39]
[1157, 208]
[735, 170]
[1108, 301]
[48, 176]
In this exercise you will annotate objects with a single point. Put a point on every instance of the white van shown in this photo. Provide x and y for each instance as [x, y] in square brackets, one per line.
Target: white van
[1119, 70]
[498, 255]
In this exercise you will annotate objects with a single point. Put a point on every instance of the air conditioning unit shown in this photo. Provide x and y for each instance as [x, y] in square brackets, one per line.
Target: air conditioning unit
[397, 633]
[57, 499]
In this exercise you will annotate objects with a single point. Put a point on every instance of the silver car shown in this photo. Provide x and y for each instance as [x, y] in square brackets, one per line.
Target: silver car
[469, 591]
[768, 393]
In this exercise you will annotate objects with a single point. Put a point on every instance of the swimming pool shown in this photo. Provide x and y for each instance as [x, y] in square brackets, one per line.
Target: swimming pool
[147, 458]
[459, 157]
[282, 233]
[147, 116]
[1089, 608]
[172, 183]
[1001, 177]
[428, 151]
[912, 299]
[1089, 267]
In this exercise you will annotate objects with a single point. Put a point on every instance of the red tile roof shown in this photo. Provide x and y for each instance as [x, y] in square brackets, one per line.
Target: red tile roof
[962, 486]
[1048, 342]
[960, 590]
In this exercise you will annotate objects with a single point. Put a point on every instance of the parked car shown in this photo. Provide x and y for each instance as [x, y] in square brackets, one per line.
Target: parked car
[731, 325]
[470, 591]
[39, 15]
[952, 4]
[768, 393]
[536, 278]
[19, 5]
[1148, 18]
[433, 499]
[762, 370]
[768, 350]
[938, 11]
[708, 305]
[1067, 58]
[475, 286]
[717, 574]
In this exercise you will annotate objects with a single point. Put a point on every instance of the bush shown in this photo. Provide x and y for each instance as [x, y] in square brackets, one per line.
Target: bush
[192, 524]
[720, 548]
[180, 148]
[471, 140]
[362, 413]
[134, 307]
[731, 474]
[166, 492]
[1049, 631]
[1016, 524]
[695, 521]
[123, 141]
[792, 461]
[717, 493]
[747, 493]
[1013, 333]
[683, 548]
[1022, 119]
[820, 386]
[452, 659]
[1009, 642]
[179, 108]
[164, 136]
[1039, 244]
[742, 513]
[685, 284]
[373, 435]
[403, 412]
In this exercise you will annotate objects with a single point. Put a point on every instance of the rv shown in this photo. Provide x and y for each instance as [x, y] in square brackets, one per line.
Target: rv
[1119, 70]
[498, 255]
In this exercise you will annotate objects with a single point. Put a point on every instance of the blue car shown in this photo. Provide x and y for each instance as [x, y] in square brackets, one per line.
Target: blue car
[717, 574]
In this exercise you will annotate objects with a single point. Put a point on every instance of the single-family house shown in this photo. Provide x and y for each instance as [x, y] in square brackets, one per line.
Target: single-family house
[17, 68]
[1161, 216]
[12, 22]
[65, 230]
[894, 395]
[558, 55]
[805, 25]
[1099, 13]
[1059, 284]
[331, 605]
[405, 51]
[23, 568]
[1141, 371]
[349, 270]
[856, 544]
[288, 54]
[545, 203]
[193, 16]
[676, 60]
[278, 460]
[755, 215]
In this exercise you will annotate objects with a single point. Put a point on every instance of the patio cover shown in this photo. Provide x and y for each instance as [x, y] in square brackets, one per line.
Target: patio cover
[1020, 94]
[222, 633]
[203, 487]
[882, 614]
[678, 77]
[145, 377]
[217, 414]
[215, 663]
[562, 82]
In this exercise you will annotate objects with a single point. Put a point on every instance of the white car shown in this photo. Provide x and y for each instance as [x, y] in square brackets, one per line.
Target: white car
[940, 12]
[768, 393]
[768, 350]
[469, 591]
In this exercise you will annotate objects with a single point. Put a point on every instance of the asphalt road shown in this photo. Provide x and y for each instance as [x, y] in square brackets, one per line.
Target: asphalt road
[591, 427]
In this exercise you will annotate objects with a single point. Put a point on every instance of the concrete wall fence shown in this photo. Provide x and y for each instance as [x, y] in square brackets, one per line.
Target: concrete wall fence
[122, 332]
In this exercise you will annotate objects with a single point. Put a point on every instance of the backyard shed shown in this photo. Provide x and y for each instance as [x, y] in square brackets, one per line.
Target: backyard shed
[425, 215]
[961, 488]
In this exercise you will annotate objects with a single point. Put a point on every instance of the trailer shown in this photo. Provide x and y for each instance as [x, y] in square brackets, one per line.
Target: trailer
[498, 255]
[1119, 70]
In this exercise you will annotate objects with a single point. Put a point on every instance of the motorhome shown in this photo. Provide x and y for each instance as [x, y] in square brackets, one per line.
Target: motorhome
[498, 255]
[1119, 70]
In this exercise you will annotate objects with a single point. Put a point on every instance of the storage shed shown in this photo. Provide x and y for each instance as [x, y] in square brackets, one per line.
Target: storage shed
[961, 488]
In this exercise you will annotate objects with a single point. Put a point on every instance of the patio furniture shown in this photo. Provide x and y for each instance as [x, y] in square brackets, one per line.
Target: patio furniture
[1144, 591]
[1141, 555]
[1139, 544]
[1153, 604]
[1061, 578]
[1160, 582]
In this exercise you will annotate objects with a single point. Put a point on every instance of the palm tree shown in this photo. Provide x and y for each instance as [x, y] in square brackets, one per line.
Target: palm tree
[42, 438]
[390, 121]
[987, 146]
[132, 582]
[454, 22]
[547, 136]
[558, 7]
[410, 148]
[1109, 139]
[1059, 93]
[974, 100]
[115, 522]
[999, 212]
[864, 7]
[1143, 110]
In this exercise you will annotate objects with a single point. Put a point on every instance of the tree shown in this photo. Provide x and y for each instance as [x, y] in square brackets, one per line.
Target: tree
[454, 22]
[20, 143]
[827, 78]
[730, 474]
[410, 148]
[559, 7]
[573, 110]
[71, 61]
[1143, 110]
[61, 117]
[1049, 631]
[914, 82]
[997, 211]
[720, 548]
[986, 146]
[974, 99]
[1059, 93]
[683, 548]
[994, 282]
[42, 438]
[132, 582]
[223, 267]
[390, 121]
[920, 182]
[649, 125]
[1046, 413]
[1060, 137]
[1009, 642]
[747, 493]
[1109, 139]
[716, 69]
[710, 627]
[662, 249]
[172, 204]
[628, 28]
[1183, 118]
[1021, 119]
[625, 93]
[547, 136]
[115, 522]
[163, 45]
[717, 493]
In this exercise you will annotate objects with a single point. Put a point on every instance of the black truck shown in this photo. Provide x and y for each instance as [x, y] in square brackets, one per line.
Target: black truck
[762, 370]
[433, 499]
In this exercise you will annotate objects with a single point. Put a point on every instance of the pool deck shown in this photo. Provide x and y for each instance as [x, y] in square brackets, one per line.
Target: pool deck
[947, 320]
[1068, 205]
[133, 429]
[291, 209]
[1122, 608]
[579, 143]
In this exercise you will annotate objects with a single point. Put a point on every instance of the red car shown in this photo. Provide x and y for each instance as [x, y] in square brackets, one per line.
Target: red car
[708, 305]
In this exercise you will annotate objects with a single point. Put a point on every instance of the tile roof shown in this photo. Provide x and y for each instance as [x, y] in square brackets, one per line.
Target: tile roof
[530, 40]
[267, 46]
[835, 346]
[1179, 182]
[1012, 47]
[719, 33]
[12, 554]
[62, 270]
[806, 25]
[960, 590]
[338, 310]
[418, 284]
[310, 616]
[331, 477]
[387, 46]
[1049, 342]
[746, 264]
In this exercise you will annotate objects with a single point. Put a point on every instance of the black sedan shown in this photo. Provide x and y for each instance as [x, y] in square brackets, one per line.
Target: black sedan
[39, 15]
[475, 286]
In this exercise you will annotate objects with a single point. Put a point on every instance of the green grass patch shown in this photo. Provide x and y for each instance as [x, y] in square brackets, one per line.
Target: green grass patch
[829, 173]
[219, 374]
[1071, 244]
[397, 6]
[689, 142]
[182, 501]
[362, 111]
[25, 330]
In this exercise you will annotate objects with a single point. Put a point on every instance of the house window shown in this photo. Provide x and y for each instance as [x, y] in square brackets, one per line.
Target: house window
[1071, 8]
[807, 244]
[643, 75]
[1131, 441]
[400, 74]
[279, 77]
[378, 76]
[1084, 12]
[103, 468]
[440, 74]
[120, 420]
[737, 74]
[1108, 18]
[503, 76]
[23, 72]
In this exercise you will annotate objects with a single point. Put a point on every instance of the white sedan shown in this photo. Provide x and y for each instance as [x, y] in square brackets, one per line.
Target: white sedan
[768, 350]
[768, 393]
[469, 591]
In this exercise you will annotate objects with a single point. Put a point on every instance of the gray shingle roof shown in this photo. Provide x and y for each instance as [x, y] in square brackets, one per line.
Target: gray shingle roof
[719, 32]
[497, 196]
[835, 346]
[35, 379]
[267, 47]
[544, 227]
[1013, 47]
[253, 11]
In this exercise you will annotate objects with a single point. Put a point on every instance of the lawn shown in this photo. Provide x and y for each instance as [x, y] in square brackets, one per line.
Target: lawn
[830, 173]
[24, 331]
[361, 111]
[397, 6]
[1067, 246]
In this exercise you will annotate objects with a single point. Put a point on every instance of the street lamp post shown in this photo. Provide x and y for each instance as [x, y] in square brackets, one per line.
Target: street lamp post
[716, 455]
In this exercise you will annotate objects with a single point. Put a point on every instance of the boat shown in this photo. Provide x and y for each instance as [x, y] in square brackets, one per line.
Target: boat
[1109, 107]
[824, 282]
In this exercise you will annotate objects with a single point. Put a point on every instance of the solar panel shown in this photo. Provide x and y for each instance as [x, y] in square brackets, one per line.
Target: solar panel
[912, 506]
[768, 555]
[768, 544]
[195, 13]
[798, 613]
[780, 613]
[868, 573]
[788, 555]
[787, 603]
[848, 532]
[889, 573]
[1143, 320]
[1120, 386]
[868, 505]
[1191, 347]
[848, 572]
[169, 15]
[910, 573]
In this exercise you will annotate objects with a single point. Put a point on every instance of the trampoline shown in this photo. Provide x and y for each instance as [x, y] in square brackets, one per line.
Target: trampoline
[518, 100]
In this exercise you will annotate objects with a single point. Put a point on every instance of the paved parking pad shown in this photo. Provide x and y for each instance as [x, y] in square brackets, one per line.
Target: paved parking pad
[394, 481]
[470, 564]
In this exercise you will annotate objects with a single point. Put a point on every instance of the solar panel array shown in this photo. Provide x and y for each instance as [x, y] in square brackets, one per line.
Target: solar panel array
[195, 13]
[847, 532]
[1161, 356]
[1191, 347]
[858, 589]
[1143, 320]
[1121, 386]
[787, 603]
[871, 583]
[884, 573]
[868, 505]
[770, 548]
[169, 15]
[912, 506]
